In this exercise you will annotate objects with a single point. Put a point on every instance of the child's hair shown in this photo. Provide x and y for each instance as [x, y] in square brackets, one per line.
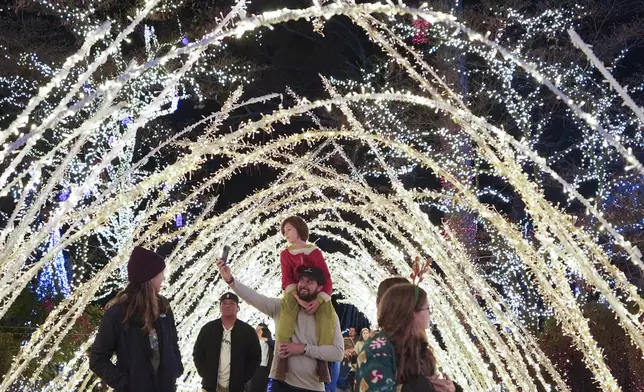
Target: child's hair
[414, 357]
[388, 283]
[348, 344]
[300, 226]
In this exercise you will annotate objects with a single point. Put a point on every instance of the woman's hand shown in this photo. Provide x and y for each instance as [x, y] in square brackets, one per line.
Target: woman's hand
[442, 384]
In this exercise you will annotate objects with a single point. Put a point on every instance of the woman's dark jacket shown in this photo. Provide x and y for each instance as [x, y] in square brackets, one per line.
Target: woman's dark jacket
[245, 354]
[133, 371]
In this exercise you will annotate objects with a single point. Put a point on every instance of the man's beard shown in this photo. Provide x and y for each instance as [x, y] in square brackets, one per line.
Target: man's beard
[308, 297]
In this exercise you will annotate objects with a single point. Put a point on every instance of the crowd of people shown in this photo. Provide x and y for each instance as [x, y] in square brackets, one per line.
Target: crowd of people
[309, 352]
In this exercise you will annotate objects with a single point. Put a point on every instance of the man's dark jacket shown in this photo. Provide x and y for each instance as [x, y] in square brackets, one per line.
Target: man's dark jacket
[133, 371]
[245, 354]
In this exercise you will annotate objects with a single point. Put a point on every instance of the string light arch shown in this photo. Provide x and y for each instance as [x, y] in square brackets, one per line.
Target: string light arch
[511, 353]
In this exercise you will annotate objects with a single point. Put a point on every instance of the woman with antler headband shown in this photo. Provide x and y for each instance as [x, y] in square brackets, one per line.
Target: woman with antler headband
[399, 357]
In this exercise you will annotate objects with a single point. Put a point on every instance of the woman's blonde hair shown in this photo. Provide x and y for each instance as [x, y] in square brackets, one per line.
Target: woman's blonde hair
[141, 299]
[396, 318]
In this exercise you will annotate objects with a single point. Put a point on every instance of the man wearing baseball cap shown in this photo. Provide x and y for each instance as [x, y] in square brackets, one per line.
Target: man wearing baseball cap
[302, 352]
[227, 350]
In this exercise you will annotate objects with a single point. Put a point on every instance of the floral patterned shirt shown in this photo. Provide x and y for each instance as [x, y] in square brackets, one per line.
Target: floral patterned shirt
[376, 365]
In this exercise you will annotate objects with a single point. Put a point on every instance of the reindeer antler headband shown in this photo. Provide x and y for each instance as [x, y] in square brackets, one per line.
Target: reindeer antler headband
[417, 274]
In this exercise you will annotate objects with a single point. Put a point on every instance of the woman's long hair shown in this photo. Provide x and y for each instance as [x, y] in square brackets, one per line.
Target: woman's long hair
[140, 300]
[396, 318]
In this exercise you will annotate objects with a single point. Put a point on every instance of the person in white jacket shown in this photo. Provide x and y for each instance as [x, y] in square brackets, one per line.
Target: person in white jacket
[259, 382]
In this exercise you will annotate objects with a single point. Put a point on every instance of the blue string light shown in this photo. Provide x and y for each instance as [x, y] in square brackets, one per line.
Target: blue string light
[54, 279]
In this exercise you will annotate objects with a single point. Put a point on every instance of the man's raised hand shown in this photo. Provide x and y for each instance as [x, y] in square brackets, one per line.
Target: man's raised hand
[224, 271]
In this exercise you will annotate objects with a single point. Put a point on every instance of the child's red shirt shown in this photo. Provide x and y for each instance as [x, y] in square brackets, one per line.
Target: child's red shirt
[311, 256]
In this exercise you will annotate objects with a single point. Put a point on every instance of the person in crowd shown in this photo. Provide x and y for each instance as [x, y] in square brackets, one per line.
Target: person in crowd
[303, 352]
[383, 287]
[266, 336]
[301, 253]
[400, 353]
[265, 331]
[364, 336]
[138, 326]
[259, 382]
[352, 333]
[334, 369]
[227, 351]
[346, 377]
[388, 283]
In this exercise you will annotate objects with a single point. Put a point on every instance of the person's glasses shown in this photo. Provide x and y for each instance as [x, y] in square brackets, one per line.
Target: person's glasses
[431, 322]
